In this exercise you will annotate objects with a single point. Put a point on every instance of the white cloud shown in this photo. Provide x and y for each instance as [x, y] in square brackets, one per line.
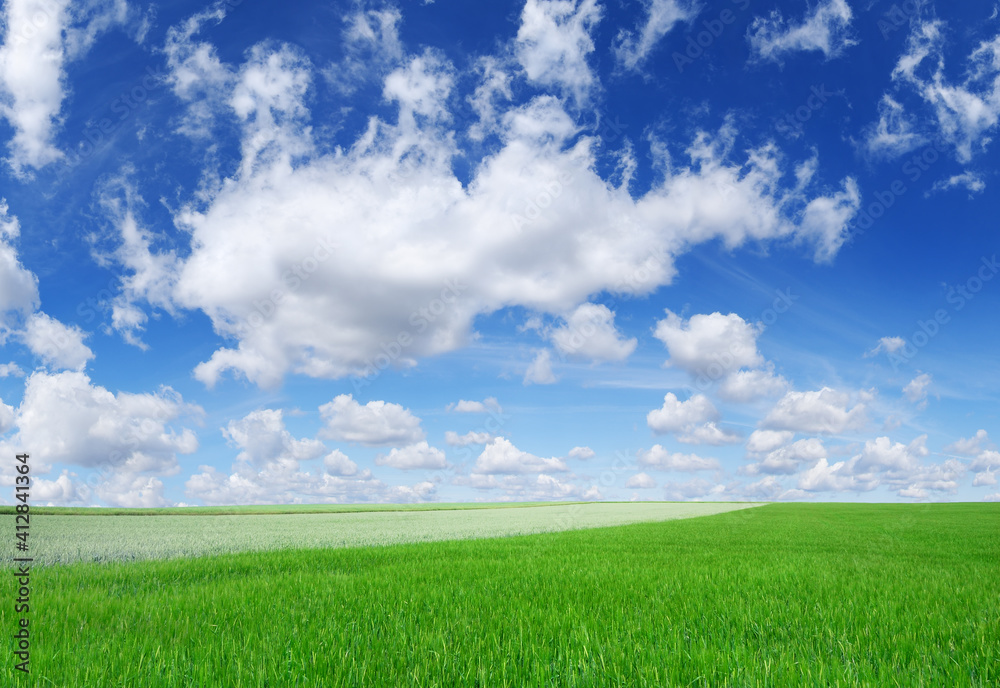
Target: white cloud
[986, 460]
[6, 417]
[838, 477]
[677, 416]
[970, 446]
[826, 28]
[282, 482]
[10, 370]
[972, 181]
[131, 491]
[500, 456]
[453, 439]
[418, 455]
[762, 441]
[633, 47]
[41, 37]
[590, 332]
[709, 345]
[540, 370]
[883, 454]
[709, 433]
[195, 73]
[786, 459]
[821, 412]
[658, 457]
[749, 385]
[485, 406]
[916, 389]
[371, 44]
[63, 491]
[523, 488]
[267, 245]
[889, 345]
[995, 497]
[58, 345]
[64, 418]
[641, 481]
[377, 423]
[338, 463]
[895, 133]
[18, 286]
[581, 453]
[966, 113]
[696, 489]
[263, 439]
[982, 478]
[553, 43]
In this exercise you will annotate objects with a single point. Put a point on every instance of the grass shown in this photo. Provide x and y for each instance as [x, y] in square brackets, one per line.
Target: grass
[781, 595]
[67, 539]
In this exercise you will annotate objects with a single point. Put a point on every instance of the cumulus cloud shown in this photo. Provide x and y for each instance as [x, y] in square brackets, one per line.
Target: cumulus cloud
[10, 370]
[660, 16]
[658, 457]
[500, 456]
[763, 441]
[787, 459]
[58, 345]
[895, 465]
[824, 477]
[6, 417]
[18, 286]
[709, 433]
[696, 489]
[338, 463]
[270, 242]
[418, 455]
[642, 481]
[130, 440]
[709, 345]
[748, 385]
[970, 446]
[65, 418]
[824, 411]
[540, 370]
[553, 43]
[590, 333]
[825, 28]
[525, 488]
[677, 416]
[262, 439]
[581, 453]
[485, 406]
[453, 439]
[283, 482]
[377, 423]
[268, 469]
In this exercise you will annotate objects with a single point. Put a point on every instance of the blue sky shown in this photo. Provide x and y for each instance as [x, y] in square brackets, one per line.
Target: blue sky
[554, 249]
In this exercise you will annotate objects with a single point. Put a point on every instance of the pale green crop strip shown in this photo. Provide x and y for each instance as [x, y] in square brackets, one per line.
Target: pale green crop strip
[67, 539]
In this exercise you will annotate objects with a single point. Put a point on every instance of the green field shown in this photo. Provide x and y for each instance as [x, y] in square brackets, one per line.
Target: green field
[789, 594]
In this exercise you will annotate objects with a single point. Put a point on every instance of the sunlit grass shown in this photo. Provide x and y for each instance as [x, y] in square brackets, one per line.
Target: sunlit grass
[811, 595]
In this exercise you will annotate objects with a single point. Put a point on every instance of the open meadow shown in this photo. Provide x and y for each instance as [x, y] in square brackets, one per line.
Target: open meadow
[782, 594]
